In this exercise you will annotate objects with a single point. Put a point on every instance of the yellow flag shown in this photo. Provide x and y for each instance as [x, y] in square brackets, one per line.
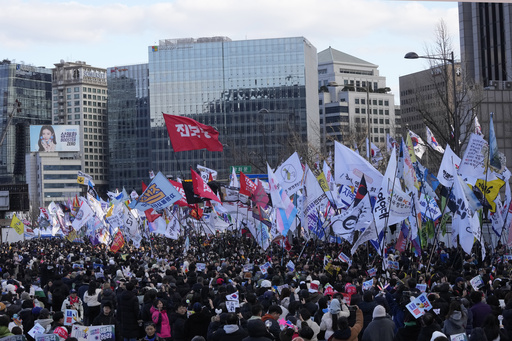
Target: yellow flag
[80, 180]
[490, 189]
[323, 182]
[17, 225]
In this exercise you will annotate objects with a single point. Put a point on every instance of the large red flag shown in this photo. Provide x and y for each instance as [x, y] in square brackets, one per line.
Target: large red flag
[201, 188]
[188, 134]
[247, 187]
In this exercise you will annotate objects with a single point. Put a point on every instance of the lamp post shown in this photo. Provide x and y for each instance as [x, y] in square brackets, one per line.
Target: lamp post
[456, 123]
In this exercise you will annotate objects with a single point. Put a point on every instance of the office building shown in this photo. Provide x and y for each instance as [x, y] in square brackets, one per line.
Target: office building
[51, 176]
[80, 98]
[486, 53]
[31, 87]
[261, 95]
[128, 126]
[353, 93]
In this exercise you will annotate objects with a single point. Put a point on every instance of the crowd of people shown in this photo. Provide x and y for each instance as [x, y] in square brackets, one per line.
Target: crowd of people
[225, 287]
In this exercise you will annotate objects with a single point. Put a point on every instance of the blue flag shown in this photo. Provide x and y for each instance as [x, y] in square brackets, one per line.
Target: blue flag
[493, 146]
[159, 194]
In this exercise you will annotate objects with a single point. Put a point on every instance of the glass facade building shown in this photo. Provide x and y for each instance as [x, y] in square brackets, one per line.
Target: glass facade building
[261, 95]
[32, 87]
[128, 126]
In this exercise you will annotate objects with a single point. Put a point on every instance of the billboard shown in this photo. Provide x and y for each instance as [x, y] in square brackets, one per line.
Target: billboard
[55, 138]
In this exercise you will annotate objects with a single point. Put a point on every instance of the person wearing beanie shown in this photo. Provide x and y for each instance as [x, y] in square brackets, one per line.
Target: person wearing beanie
[347, 333]
[44, 320]
[329, 322]
[382, 327]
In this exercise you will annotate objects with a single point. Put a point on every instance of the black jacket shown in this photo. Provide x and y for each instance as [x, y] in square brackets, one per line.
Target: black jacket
[128, 314]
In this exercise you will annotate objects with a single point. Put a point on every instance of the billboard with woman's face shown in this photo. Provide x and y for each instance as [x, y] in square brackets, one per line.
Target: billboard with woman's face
[55, 138]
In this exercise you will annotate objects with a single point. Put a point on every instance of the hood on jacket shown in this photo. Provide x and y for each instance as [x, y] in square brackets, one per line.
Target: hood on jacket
[230, 328]
[153, 309]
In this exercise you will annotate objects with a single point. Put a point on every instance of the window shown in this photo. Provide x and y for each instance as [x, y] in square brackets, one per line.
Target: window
[70, 110]
[76, 89]
[77, 102]
[68, 90]
[68, 96]
[380, 102]
[357, 100]
[77, 116]
[77, 109]
[69, 117]
[386, 103]
[76, 96]
[374, 102]
[357, 110]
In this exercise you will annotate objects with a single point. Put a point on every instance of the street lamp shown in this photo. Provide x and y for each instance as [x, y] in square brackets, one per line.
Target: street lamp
[456, 123]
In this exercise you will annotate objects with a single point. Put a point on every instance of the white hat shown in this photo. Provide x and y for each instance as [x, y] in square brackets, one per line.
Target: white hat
[314, 286]
[435, 335]
[265, 284]
[379, 311]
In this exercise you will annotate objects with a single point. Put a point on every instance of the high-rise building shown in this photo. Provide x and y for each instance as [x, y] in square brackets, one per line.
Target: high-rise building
[352, 93]
[486, 54]
[128, 126]
[261, 95]
[29, 86]
[80, 98]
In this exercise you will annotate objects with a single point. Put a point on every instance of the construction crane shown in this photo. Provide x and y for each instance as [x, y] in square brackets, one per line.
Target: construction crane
[16, 109]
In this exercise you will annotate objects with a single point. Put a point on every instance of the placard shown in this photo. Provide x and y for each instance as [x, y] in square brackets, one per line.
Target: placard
[477, 282]
[93, 333]
[232, 305]
[37, 329]
[70, 317]
[421, 287]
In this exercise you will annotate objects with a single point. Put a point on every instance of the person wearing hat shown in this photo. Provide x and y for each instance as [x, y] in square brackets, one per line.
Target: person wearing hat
[44, 319]
[106, 317]
[459, 289]
[382, 327]
[329, 322]
[74, 302]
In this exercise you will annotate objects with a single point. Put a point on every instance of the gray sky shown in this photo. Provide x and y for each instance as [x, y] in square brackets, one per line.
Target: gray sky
[109, 33]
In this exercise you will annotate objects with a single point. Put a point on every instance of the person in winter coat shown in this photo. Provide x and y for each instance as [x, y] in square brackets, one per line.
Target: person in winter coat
[177, 321]
[106, 317]
[430, 326]
[4, 326]
[231, 331]
[107, 295]
[455, 320]
[257, 331]
[197, 323]
[411, 329]
[74, 302]
[329, 322]
[128, 313]
[367, 306]
[271, 318]
[347, 333]
[382, 328]
[479, 309]
[161, 320]
[91, 300]
[44, 320]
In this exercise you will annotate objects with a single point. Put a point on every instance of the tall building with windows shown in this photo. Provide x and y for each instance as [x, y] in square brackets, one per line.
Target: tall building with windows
[31, 86]
[79, 97]
[486, 54]
[128, 126]
[353, 93]
[261, 95]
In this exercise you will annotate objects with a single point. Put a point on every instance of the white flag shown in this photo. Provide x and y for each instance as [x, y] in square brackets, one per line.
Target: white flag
[433, 142]
[349, 167]
[82, 217]
[356, 218]
[418, 144]
[448, 167]
[234, 180]
[393, 205]
[376, 154]
[289, 174]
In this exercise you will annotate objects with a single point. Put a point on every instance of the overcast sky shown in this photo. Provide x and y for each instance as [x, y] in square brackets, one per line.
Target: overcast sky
[110, 33]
